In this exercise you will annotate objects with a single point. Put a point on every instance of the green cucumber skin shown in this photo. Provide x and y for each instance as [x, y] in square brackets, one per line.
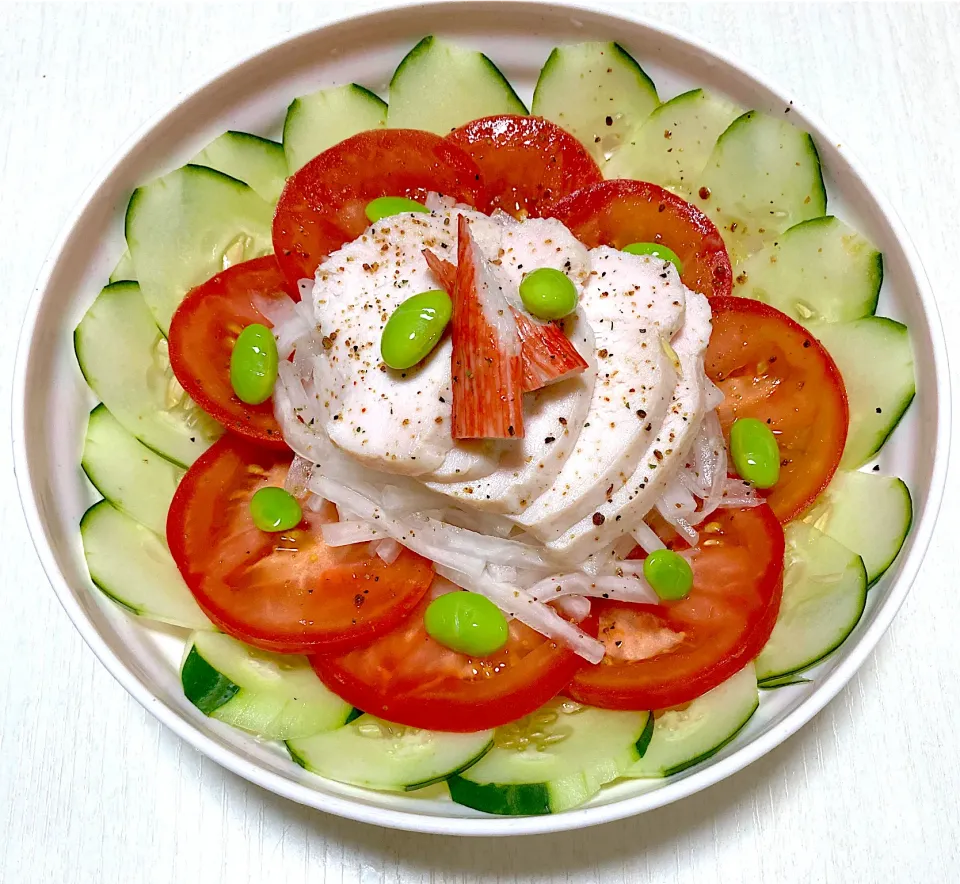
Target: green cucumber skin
[809, 665]
[203, 686]
[625, 57]
[670, 771]
[781, 681]
[644, 742]
[413, 787]
[528, 799]
[354, 715]
[424, 46]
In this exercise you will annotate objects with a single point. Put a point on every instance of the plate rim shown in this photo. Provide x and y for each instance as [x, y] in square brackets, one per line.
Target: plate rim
[357, 810]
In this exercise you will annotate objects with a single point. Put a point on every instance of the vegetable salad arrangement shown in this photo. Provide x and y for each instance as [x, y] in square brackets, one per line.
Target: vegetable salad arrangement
[502, 449]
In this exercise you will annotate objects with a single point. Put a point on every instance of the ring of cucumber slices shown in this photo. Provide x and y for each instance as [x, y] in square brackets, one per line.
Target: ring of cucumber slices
[755, 177]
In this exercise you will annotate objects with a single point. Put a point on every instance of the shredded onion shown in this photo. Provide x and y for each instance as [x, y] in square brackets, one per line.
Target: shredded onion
[389, 550]
[315, 503]
[305, 286]
[576, 607]
[298, 475]
[738, 494]
[647, 538]
[345, 533]
[630, 588]
[538, 616]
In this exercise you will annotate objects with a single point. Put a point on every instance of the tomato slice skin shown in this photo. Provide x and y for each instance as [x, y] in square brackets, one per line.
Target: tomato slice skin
[202, 335]
[674, 652]
[286, 592]
[527, 163]
[408, 678]
[620, 212]
[771, 368]
[322, 205]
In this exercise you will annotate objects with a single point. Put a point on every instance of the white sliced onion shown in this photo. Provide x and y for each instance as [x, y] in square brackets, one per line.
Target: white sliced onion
[629, 588]
[537, 615]
[646, 538]
[738, 494]
[298, 476]
[345, 533]
[503, 574]
[576, 607]
[315, 503]
[306, 288]
[389, 550]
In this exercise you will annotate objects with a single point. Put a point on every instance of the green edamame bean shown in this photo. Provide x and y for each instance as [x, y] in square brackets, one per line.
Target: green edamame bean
[274, 509]
[466, 623]
[414, 329]
[755, 452]
[548, 293]
[657, 250]
[669, 574]
[385, 206]
[253, 364]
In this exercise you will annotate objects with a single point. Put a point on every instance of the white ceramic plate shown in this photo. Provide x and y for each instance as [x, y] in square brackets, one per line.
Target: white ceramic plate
[253, 96]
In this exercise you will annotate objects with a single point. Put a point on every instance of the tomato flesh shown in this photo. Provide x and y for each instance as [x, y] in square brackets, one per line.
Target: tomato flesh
[409, 678]
[773, 369]
[203, 332]
[323, 204]
[664, 655]
[286, 592]
[527, 163]
[618, 213]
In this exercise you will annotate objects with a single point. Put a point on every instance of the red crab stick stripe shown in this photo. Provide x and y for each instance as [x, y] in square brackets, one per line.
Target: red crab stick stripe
[546, 353]
[485, 364]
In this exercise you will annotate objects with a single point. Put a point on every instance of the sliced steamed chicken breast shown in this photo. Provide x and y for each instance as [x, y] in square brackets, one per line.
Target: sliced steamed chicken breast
[394, 421]
[633, 304]
[623, 510]
[504, 477]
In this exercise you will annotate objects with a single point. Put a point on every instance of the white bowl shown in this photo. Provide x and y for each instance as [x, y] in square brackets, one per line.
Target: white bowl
[253, 96]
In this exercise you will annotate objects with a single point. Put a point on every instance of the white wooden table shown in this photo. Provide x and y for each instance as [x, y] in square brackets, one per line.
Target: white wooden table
[94, 790]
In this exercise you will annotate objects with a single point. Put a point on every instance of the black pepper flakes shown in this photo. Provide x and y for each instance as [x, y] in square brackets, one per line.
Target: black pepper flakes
[599, 519]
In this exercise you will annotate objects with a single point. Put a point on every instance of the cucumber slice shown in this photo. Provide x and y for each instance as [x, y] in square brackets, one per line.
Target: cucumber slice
[876, 361]
[786, 681]
[124, 359]
[674, 143]
[135, 479]
[124, 271]
[869, 514]
[255, 161]
[687, 735]
[762, 178]
[824, 593]
[552, 760]
[439, 86]
[820, 270]
[597, 92]
[276, 697]
[132, 566]
[189, 225]
[322, 119]
[375, 754]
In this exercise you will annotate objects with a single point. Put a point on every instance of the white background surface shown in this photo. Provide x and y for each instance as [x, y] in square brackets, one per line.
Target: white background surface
[94, 790]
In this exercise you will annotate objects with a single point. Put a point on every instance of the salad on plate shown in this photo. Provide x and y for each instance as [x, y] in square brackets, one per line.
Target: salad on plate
[515, 451]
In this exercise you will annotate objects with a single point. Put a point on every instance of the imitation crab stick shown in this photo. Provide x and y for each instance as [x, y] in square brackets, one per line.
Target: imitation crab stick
[546, 353]
[485, 363]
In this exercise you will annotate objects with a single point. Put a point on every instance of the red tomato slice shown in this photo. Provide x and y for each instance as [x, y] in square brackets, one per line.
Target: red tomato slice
[285, 592]
[618, 213]
[202, 335]
[773, 369]
[407, 677]
[527, 163]
[668, 654]
[322, 206]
